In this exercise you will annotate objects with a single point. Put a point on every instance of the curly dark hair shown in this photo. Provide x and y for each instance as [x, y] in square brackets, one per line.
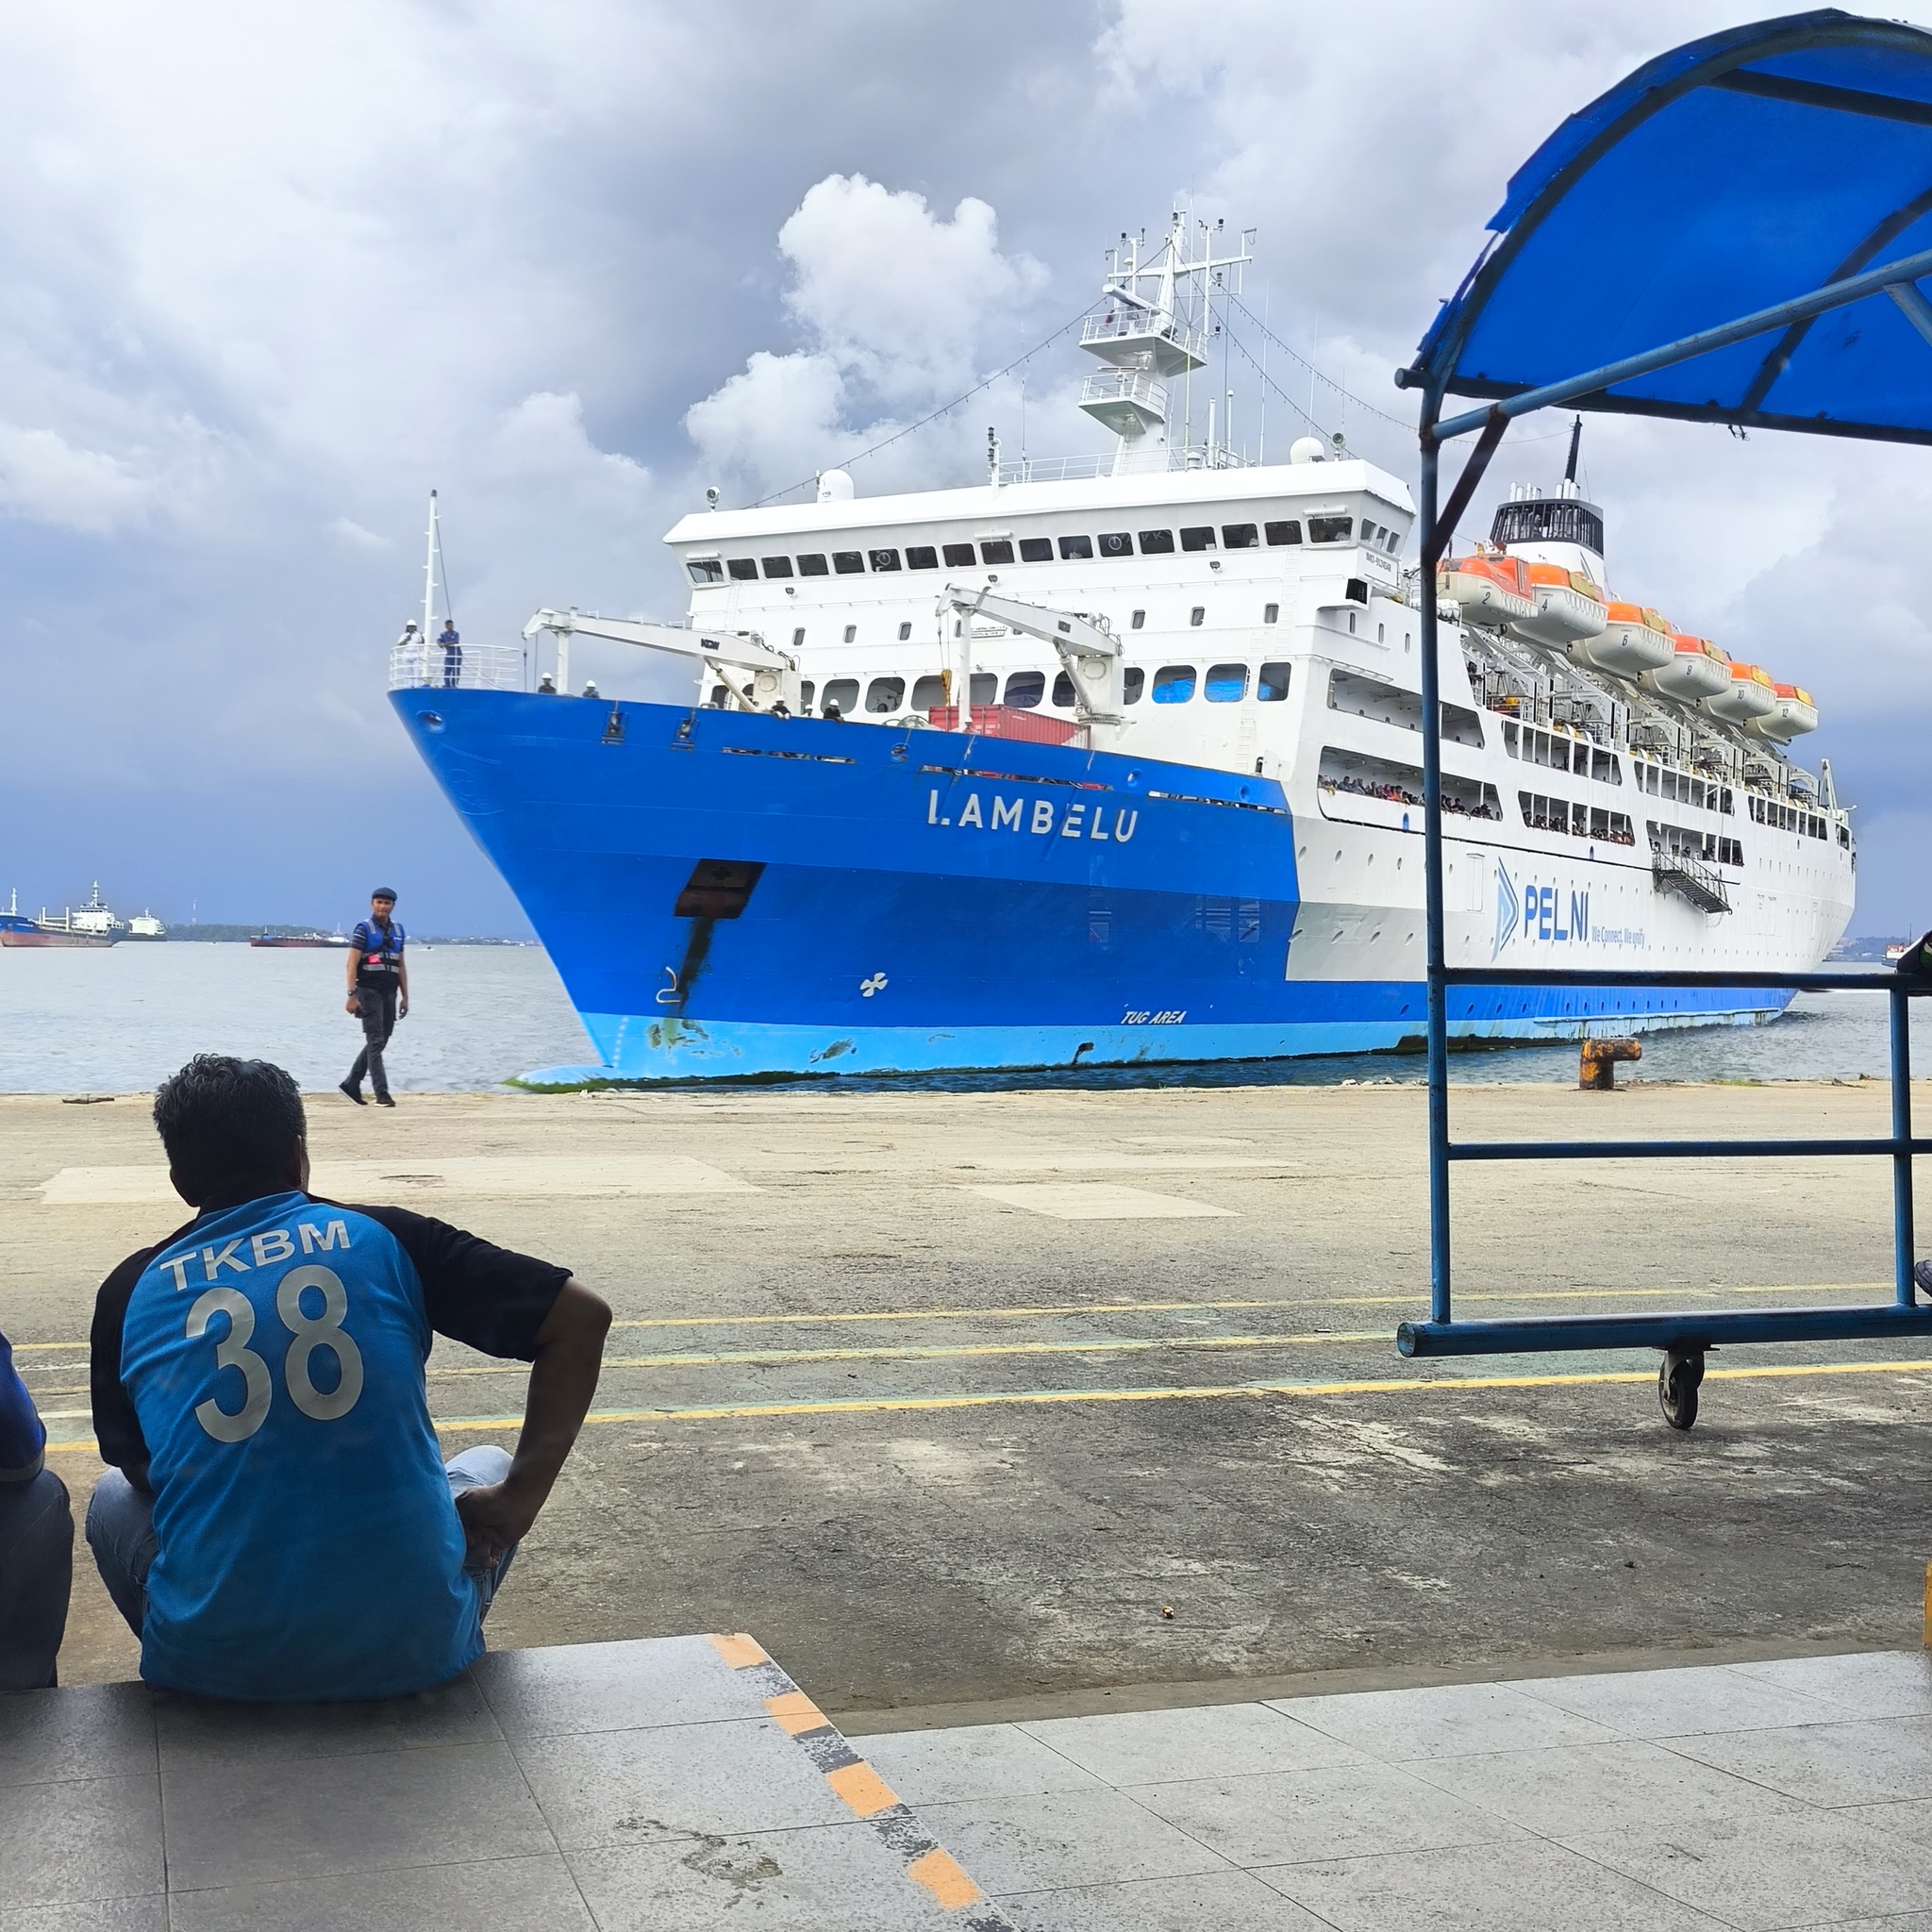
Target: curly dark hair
[228, 1124]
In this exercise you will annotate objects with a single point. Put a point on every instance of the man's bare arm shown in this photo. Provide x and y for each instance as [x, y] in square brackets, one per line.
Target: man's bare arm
[563, 1379]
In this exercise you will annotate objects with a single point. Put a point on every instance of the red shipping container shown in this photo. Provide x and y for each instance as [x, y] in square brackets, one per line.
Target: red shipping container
[1004, 721]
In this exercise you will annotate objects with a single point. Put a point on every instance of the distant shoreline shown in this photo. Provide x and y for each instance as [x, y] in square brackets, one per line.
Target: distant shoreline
[233, 934]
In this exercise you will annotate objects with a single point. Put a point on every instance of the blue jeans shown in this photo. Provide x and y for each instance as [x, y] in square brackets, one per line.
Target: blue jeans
[36, 1569]
[121, 1531]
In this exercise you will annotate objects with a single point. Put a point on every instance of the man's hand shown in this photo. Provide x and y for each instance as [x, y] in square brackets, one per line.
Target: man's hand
[352, 1004]
[563, 1379]
[496, 1517]
[402, 1006]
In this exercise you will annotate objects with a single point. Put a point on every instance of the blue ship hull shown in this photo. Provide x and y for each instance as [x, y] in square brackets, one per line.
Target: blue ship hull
[920, 900]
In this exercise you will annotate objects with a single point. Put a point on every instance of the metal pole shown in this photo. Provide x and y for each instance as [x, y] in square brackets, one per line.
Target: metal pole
[1432, 875]
[1902, 1152]
[429, 578]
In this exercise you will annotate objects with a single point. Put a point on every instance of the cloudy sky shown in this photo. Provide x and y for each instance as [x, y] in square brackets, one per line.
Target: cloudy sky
[270, 274]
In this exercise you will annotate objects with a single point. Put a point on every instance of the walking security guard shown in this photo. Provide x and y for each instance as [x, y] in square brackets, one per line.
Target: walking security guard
[378, 992]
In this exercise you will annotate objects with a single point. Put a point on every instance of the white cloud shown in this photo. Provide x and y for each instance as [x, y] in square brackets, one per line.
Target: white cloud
[541, 445]
[892, 293]
[47, 479]
[896, 303]
[356, 538]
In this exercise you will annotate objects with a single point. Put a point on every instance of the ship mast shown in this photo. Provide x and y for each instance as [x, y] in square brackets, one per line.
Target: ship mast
[429, 573]
[1152, 324]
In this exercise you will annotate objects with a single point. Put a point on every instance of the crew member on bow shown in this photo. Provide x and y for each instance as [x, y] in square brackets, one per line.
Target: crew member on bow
[378, 992]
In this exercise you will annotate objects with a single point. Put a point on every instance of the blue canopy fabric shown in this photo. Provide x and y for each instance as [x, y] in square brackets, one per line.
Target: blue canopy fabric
[1728, 175]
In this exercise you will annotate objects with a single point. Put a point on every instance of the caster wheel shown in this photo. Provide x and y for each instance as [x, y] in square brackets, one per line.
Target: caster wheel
[1677, 1378]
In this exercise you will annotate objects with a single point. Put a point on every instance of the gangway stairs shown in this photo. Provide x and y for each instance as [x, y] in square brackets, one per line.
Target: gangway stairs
[1691, 879]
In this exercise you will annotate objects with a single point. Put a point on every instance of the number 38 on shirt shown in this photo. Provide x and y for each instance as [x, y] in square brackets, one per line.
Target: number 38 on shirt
[293, 1296]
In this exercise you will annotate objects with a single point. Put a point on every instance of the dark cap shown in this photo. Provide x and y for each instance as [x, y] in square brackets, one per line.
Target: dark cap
[388, 892]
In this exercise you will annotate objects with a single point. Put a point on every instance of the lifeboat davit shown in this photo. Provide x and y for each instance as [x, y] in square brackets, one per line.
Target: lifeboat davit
[1491, 590]
[1697, 670]
[1568, 608]
[1793, 714]
[1634, 641]
[1751, 695]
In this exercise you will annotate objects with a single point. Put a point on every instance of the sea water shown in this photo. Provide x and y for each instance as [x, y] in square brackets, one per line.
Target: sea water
[116, 1020]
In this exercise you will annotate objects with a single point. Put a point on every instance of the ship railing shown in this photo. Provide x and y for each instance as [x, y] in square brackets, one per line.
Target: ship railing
[1056, 469]
[1127, 321]
[1126, 386]
[468, 667]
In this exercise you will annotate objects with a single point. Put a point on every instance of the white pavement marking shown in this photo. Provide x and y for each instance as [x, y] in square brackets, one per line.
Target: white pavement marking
[407, 1179]
[1096, 1201]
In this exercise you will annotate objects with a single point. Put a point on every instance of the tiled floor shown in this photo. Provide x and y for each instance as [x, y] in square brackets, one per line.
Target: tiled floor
[1758, 1796]
[685, 1783]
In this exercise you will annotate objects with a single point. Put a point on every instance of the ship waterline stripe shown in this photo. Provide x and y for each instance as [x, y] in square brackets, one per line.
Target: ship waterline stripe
[861, 1405]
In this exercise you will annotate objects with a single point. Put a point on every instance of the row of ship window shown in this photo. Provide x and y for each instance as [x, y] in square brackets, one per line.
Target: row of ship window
[1786, 818]
[994, 551]
[1025, 690]
[1270, 613]
[1561, 753]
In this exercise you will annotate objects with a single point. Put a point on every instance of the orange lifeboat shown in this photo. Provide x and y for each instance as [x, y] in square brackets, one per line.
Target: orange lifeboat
[1634, 641]
[1793, 714]
[1568, 608]
[1697, 670]
[1491, 590]
[1751, 695]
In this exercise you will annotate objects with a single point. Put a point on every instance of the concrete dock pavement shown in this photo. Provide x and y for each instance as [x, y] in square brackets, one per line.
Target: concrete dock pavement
[1034, 1403]
[688, 1783]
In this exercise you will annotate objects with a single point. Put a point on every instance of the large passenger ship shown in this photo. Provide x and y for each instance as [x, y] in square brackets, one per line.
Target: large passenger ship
[1120, 761]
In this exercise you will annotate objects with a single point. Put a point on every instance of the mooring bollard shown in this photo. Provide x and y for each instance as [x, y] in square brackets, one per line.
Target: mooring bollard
[1597, 1070]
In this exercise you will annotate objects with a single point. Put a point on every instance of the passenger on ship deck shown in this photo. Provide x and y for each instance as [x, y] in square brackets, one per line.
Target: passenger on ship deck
[378, 992]
[278, 1521]
[452, 645]
[36, 1541]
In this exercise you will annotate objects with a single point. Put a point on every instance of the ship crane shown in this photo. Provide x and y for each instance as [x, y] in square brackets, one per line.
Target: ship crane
[773, 674]
[1087, 647]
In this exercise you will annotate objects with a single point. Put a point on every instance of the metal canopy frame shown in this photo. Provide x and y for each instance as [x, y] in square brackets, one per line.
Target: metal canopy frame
[1683, 1336]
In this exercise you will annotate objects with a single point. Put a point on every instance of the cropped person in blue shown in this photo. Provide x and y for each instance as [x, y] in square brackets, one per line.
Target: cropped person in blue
[278, 1522]
[36, 1541]
[378, 991]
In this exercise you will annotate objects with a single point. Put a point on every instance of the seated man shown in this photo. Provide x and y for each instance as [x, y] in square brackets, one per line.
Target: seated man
[36, 1541]
[278, 1522]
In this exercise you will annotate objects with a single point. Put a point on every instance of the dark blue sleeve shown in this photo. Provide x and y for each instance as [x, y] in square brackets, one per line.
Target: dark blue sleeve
[23, 1435]
[360, 939]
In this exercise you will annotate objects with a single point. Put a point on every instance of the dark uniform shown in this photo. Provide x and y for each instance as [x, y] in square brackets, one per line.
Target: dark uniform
[379, 972]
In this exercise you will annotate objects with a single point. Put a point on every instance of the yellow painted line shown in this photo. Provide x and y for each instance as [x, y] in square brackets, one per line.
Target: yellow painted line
[867, 1404]
[1338, 1301]
[862, 1405]
[1104, 1345]
[737, 1649]
[1412, 1300]
[793, 1713]
[862, 1789]
[939, 1873]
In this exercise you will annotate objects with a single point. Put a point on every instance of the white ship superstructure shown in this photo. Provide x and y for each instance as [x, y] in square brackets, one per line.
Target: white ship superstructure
[1267, 626]
[1118, 758]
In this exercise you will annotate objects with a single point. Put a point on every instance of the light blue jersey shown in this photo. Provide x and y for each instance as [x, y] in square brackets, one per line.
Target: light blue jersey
[309, 1548]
